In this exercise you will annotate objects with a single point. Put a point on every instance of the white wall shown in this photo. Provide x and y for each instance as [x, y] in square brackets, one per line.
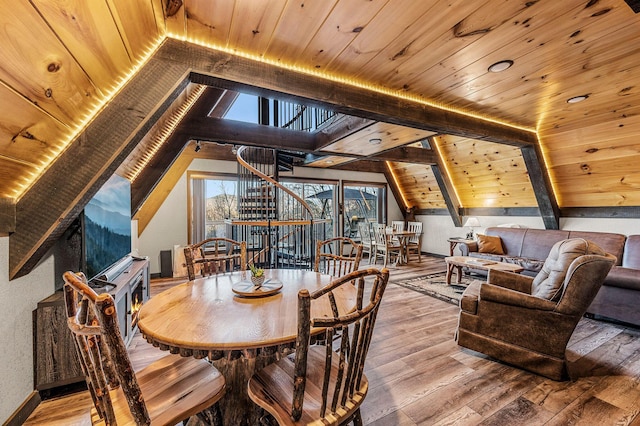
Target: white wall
[18, 299]
[169, 226]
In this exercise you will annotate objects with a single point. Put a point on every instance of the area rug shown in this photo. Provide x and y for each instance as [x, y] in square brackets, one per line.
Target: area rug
[435, 285]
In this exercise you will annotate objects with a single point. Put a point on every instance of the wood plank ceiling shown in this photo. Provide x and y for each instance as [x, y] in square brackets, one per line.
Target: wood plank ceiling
[63, 60]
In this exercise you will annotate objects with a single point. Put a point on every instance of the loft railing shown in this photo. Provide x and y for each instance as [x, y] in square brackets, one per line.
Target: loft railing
[293, 116]
[276, 223]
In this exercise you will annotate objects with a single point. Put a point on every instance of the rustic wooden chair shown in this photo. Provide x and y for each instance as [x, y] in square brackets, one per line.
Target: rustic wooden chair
[215, 255]
[414, 243]
[166, 392]
[345, 259]
[319, 383]
[367, 240]
[385, 247]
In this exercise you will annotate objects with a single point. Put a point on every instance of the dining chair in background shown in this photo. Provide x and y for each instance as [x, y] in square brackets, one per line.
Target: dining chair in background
[166, 392]
[337, 256]
[414, 243]
[367, 240]
[385, 246]
[215, 255]
[324, 383]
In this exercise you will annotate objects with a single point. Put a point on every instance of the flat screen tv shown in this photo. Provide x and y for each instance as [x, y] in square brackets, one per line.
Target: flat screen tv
[106, 228]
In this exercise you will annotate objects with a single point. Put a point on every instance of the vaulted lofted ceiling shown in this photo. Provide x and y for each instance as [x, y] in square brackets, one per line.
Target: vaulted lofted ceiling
[88, 87]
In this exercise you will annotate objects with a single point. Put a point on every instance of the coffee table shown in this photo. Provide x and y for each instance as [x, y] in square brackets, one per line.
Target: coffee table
[458, 262]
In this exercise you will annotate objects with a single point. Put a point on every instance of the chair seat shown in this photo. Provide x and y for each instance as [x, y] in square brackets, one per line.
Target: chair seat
[272, 389]
[171, 386]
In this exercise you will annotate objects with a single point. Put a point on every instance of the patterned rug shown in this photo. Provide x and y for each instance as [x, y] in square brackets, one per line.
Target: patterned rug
[435, 285]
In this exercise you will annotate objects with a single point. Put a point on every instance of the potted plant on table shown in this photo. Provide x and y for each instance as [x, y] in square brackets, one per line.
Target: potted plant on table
[257, 275]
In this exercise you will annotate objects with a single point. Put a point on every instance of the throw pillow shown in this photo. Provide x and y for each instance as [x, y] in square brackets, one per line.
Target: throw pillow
[490, 244]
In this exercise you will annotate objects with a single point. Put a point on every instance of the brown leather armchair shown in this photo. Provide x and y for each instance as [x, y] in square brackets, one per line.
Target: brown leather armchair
[527, 322]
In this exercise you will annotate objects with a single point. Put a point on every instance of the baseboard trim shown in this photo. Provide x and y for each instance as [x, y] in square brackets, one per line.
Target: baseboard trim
[20, 416]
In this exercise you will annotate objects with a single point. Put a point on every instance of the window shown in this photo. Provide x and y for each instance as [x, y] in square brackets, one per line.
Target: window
[213, 199]
[320, 196]
[362, 203]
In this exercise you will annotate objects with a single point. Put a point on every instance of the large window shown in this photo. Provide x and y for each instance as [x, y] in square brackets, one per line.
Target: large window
[363, 203]
[213, 199]
[321, 196]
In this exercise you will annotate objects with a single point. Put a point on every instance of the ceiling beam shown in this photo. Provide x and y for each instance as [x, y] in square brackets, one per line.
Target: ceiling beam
[542, 188]
[444, 183]
[7, 215]
[344, 126]
[220, 69]
[407, 154]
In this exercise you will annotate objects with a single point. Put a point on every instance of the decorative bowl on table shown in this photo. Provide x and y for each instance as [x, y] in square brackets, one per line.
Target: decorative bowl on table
[257, 281]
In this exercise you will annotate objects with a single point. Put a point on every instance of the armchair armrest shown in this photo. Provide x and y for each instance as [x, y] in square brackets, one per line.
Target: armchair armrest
[510, 280]
[505, 296]
[467, 247]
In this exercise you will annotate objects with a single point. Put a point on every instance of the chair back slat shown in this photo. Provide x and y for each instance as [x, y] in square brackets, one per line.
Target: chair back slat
[105, 362]
[342, 377]
[215, 255]
[337, 256]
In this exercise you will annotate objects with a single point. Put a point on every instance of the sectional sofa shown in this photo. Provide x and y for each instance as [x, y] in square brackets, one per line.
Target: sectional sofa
[619, 296]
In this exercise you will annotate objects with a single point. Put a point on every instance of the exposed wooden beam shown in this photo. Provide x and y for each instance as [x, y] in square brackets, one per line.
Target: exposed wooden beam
[152, 173]
[407, 154]
[220, 69]
[444, 183]
[77, 174]
[395, 190]
[7, 215]
[240, 133]
[542, 188]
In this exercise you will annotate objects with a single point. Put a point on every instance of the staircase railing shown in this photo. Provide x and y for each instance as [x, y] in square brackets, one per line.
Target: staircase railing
[276, 223]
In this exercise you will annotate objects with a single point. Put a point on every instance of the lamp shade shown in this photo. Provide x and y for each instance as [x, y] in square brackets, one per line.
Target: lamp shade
[472, 222]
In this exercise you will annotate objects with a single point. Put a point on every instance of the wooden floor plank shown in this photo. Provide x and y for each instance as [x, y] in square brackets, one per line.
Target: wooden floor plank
[419, 376]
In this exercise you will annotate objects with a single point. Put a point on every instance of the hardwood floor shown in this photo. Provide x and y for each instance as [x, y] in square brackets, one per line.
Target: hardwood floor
[419, 376]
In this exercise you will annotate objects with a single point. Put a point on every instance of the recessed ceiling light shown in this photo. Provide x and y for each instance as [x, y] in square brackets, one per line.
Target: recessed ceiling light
[375, 141]
[501, 66]
[329, 161]
[577, 99]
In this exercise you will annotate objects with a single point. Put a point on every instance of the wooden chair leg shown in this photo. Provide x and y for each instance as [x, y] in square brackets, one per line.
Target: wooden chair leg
[211, 416]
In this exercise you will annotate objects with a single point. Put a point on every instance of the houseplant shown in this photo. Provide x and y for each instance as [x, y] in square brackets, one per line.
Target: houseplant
[257, 275]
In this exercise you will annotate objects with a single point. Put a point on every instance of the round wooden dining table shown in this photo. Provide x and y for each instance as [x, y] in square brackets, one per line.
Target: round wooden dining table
[239, 332]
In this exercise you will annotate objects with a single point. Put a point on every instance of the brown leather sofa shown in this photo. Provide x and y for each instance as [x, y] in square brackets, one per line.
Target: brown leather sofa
[619, 297]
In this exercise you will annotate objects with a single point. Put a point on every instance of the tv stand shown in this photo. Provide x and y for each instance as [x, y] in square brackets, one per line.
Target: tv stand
[55, 359]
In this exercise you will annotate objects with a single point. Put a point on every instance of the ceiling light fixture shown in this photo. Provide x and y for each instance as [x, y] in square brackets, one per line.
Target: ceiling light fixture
[375, 141]
[577, 99]
[501, 66]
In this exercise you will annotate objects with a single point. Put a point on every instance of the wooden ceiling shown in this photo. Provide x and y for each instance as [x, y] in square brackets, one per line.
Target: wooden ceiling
[506, 139]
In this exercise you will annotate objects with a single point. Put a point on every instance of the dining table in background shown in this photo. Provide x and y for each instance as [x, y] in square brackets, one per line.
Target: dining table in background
[403, 240]
[238, 334]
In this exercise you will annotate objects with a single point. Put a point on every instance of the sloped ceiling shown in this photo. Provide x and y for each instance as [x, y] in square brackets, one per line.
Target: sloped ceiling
[64, 61]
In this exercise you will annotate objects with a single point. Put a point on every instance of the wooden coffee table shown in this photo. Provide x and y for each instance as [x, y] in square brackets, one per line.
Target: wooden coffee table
[458, 262]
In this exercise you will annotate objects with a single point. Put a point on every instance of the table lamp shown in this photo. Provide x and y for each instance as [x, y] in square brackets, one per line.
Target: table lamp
[471, 222]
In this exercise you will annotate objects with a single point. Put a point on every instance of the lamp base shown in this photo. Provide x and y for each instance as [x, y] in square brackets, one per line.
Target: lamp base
[470, 236]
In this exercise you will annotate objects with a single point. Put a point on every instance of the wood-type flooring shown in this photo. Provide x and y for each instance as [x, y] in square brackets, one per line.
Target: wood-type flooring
[419, 376]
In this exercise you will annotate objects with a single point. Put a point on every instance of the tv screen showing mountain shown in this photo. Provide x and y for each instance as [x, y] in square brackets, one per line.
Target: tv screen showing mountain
[107, 226]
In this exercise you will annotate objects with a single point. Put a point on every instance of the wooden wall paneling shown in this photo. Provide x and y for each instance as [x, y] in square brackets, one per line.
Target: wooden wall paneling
[253, 25]
[396, 191]
[27, 135]
[608, 133]
[158, 16]
[419, 185]
[394, 18]
[210, 20]
[56, 82]
[341, 27]
[87, 30]
[296, 15]
[597, 151]
[175, 24]
[138, 25]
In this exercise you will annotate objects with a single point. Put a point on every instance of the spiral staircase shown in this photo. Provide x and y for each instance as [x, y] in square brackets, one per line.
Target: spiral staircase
[277, 224]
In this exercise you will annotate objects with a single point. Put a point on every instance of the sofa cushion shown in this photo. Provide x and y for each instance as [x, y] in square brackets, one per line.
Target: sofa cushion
[548, 284]
[490, 244]
[609, 242]
[631, 256]
[622, 277]
[512, 239]
[538, 242]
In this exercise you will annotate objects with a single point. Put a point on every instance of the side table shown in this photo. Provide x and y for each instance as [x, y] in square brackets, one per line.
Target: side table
[454, 241]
